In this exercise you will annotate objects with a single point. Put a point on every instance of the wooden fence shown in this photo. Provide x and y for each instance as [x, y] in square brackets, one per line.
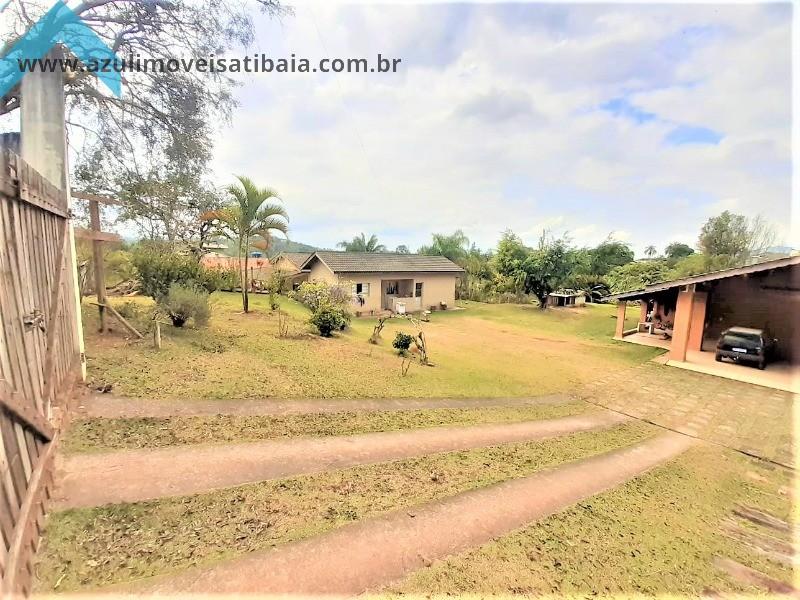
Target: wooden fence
[39, 356]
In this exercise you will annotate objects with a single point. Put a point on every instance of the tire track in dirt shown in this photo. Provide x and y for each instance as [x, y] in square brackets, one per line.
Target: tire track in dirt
[372, 553]
[133, 475]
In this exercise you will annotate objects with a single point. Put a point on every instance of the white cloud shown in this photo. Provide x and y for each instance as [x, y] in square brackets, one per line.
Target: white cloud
[493, 95]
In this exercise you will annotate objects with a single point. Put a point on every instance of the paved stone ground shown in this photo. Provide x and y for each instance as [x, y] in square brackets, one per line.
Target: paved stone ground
[746, 417]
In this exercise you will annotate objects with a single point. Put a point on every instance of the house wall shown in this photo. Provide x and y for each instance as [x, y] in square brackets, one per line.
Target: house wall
[436, 287]
[284, 264]
[293, 276]
[319, 272]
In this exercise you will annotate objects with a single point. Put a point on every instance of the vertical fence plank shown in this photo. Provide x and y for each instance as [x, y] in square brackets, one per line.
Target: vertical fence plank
[36, 364]
[18, 306]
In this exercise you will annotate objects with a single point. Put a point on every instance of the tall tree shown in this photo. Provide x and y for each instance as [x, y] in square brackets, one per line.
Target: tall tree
[168, 208]
[677, 250]
[164, 116]
[360, 243]
[510, 256]
[636, 275]
[650, 251]
[547, 267]
[402, 249]
[538, 271]
[608, 255]
[250, 214]
[735, 236]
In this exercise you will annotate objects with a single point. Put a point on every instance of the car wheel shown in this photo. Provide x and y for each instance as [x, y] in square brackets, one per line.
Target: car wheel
[718, 357]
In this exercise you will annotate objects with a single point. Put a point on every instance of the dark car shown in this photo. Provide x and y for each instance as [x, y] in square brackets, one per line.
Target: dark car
[743, 344]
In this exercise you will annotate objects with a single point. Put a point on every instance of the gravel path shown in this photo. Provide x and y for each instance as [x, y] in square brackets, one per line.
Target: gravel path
[110, 407]
[132, 475]
[372, 553]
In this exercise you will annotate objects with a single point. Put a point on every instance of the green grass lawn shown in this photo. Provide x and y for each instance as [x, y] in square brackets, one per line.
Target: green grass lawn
[483, 350]
[94, 435]
[658, 534]
[85, 548]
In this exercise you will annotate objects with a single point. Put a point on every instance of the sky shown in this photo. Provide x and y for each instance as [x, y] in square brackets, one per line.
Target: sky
[636, 121]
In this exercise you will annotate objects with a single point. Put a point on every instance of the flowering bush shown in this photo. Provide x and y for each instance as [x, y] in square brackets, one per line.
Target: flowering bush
[314, 294]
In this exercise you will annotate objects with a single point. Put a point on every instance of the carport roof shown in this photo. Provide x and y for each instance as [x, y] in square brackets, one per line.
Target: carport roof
[769, 265]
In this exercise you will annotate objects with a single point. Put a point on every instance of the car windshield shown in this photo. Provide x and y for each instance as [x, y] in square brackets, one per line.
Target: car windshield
[742, 338]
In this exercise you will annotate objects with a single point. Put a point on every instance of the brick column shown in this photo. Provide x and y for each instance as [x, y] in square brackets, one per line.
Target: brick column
[621, 306]
[698, 322]
[682, 325]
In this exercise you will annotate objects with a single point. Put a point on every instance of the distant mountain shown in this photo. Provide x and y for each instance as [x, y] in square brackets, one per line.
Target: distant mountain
[281, 245]
[228, 247]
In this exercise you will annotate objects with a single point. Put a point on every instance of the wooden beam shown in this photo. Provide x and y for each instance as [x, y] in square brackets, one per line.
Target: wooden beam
[121, 319]
[14, 403]
[98, 236]
[95, 198]
[98, 264]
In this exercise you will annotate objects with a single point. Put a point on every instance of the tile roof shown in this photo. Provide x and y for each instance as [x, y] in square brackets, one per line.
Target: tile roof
[297, 258]
[373, 262]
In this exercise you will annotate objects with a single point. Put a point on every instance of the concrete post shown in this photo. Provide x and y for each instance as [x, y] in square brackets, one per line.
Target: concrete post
[44, 142]
[44, 147]
[622, 305]
[642, 310]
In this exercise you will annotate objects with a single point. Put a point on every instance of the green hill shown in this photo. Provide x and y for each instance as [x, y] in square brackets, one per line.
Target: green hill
[278, 245]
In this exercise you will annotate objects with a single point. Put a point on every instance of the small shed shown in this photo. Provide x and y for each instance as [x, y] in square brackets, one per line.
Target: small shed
[566, 298]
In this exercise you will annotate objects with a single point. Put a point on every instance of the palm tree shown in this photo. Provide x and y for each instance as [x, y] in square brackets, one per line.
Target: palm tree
[650, 251]
[360, 243]
[455, 246]
[247, 215]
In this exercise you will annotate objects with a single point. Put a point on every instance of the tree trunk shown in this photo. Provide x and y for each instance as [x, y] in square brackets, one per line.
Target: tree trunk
[543, 301]
[245, 284]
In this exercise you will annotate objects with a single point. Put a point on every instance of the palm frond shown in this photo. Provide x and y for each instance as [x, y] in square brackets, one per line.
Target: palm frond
[271, 210]
[263, 227]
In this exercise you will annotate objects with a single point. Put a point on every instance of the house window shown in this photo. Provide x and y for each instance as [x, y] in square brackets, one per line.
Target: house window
[418, 289]
[361, 289]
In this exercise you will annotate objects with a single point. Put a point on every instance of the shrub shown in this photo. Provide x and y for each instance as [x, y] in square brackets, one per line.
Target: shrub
[185, 302]
[402, 342]
[158, 268]
[221, 278]
[327, 318]
[315, 294]
[277, 282]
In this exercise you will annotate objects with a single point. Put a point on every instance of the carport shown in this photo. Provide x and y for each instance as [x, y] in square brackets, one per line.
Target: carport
[687, 316]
